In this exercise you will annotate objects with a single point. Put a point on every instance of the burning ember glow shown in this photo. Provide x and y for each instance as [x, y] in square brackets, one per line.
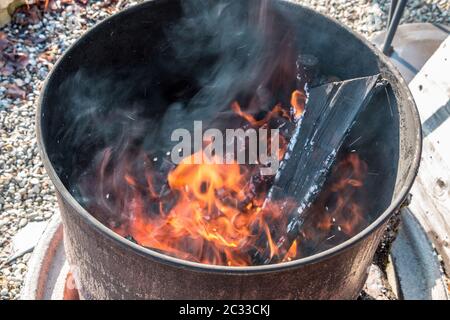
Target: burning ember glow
[214, 213]
[298, 100]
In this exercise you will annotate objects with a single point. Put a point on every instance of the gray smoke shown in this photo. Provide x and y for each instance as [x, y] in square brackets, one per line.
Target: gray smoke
[228, 50]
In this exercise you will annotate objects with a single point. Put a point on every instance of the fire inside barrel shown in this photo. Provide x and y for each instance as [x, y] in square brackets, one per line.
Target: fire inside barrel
[222, 214]
[230, 213]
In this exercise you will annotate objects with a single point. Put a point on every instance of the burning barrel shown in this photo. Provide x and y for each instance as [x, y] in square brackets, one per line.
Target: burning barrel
[139, 224]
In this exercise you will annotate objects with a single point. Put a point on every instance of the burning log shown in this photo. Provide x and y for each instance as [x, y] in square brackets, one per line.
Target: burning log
[330, 113]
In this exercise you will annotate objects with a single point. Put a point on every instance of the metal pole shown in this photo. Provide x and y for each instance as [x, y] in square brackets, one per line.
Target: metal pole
[392, 28]
[391, 11]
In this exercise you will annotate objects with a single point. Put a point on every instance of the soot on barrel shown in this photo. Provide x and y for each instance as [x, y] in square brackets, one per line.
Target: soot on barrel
[228, 65]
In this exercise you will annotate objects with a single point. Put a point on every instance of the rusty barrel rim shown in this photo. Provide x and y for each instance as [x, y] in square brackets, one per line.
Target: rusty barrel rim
[166, 259]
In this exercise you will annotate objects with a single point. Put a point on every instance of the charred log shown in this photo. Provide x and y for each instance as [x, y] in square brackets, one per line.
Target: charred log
[331, 112]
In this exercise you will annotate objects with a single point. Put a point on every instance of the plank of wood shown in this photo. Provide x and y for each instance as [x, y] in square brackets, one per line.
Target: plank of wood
[330, 113]
[430, 202]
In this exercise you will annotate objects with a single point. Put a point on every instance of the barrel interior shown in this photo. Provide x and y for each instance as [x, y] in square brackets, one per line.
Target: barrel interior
[133, 49]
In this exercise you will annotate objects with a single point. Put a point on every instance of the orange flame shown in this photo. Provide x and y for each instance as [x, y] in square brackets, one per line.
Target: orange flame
[205, 224]
[347, 213]
[211, 212]
[292, 252]
[278, 109]
[298, 100]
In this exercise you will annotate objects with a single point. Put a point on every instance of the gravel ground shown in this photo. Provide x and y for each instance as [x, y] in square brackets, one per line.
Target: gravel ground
[30, 45]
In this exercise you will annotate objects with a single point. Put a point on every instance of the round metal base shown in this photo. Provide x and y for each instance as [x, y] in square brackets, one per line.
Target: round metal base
[413, 45]
[49, 276]
[415, 267]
